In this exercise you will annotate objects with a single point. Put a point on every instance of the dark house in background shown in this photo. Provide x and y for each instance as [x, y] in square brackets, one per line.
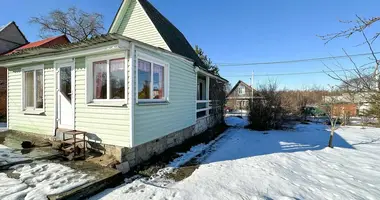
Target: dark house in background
[11, 38]
[11, 33]
[239, 96]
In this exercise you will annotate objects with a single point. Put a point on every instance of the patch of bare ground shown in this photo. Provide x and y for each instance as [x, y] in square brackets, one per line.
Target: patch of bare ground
[152, 166]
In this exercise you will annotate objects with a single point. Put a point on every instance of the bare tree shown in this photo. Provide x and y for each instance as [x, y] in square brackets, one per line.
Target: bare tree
[333, 114]
[363, 76]
[76, 24]
[356, 27]
[219, 100]
[363, 82]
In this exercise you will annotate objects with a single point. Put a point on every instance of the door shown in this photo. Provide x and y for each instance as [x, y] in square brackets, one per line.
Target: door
[65, 102]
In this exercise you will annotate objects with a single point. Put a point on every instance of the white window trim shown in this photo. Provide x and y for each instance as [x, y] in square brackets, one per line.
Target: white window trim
[90, 79]
[34, 110]
[153, 61]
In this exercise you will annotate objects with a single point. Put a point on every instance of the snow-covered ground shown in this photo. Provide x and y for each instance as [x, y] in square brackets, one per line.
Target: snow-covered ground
[296, 164]
[7, 156]
[37, 180]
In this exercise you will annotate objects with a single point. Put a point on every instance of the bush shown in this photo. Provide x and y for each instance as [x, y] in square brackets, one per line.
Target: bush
[266, 113]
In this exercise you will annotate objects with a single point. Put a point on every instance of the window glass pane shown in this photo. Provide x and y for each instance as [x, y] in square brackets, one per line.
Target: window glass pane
[117, 76]
[29, 89]
[100, 79]
[40, 89]
[144, 77]
[158, 82]
[65, 81]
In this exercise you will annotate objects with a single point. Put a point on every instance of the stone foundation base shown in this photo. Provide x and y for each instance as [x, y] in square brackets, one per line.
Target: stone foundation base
[130, 157]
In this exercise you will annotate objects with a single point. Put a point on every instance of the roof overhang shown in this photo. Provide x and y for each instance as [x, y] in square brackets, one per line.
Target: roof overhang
[204, 72]
[108, 47]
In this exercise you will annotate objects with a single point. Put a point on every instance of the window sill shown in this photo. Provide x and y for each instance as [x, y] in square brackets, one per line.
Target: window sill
[34, 112]
[152, 103]
[107, 104]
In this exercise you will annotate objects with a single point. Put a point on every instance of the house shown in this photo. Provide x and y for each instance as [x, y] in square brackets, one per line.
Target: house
[3, 71]
[349, 104]
[133, 90]
[239, 96]
[11, 38]
[3, 93]
[45, 43]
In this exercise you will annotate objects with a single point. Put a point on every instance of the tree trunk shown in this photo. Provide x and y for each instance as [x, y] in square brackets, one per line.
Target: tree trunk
[331, 138]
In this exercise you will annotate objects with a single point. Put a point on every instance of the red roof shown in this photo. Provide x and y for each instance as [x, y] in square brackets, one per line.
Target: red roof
[48, 42]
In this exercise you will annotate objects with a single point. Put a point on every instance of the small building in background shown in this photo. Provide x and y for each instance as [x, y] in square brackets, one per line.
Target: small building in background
[11, 38]
[17, 43]
[239, 96]
[350, 104]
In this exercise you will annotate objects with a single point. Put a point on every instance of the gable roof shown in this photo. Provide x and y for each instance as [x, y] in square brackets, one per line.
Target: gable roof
[175, 40]
[48, 42]
[3, 27]
[237, 84]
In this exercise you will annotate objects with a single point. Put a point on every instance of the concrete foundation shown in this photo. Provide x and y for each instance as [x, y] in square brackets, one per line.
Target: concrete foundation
[130, 157]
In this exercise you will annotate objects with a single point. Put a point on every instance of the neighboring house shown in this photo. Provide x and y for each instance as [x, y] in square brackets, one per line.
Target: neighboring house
[3, 93]
[350, 104]
[10, 38]
[45, 43]
[239, 96]
[134, 90]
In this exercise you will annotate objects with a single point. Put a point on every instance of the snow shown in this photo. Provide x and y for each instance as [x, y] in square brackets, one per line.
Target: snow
[7, 156]
[293, 164]
[237, 122]
[37, 180]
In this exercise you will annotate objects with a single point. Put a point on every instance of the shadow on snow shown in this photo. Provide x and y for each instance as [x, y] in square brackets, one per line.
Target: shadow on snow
[241, 143]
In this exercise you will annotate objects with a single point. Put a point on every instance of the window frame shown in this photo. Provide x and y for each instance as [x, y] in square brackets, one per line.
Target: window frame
[241, 90]
[152, 60]
[24, 108]
[90, 81]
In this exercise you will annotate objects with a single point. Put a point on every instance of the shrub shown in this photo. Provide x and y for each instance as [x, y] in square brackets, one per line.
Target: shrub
[266, 113]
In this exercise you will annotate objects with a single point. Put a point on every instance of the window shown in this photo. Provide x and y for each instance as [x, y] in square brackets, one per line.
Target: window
[241, 90]
[152, 81]
[33, 92]
[108, 77]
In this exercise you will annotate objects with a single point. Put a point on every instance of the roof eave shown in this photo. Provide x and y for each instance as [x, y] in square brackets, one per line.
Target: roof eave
[110, 46]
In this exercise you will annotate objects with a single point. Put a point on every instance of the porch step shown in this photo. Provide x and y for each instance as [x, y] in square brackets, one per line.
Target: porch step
[72, 144]
[74, 132]
[71, 141]
[68, 149]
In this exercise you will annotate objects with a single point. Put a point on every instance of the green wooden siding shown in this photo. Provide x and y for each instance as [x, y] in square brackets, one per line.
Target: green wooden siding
[40, 124]
[137, 25]
[108, 125]
[155, 121]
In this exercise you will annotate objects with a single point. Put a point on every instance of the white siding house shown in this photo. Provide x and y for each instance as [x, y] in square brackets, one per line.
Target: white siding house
[134, 90]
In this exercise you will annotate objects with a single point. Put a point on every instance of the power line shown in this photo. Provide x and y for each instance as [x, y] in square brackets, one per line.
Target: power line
[292, 61]
[298, 73]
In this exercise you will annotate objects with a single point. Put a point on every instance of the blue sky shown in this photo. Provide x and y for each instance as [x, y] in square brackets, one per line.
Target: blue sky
[247, 31]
